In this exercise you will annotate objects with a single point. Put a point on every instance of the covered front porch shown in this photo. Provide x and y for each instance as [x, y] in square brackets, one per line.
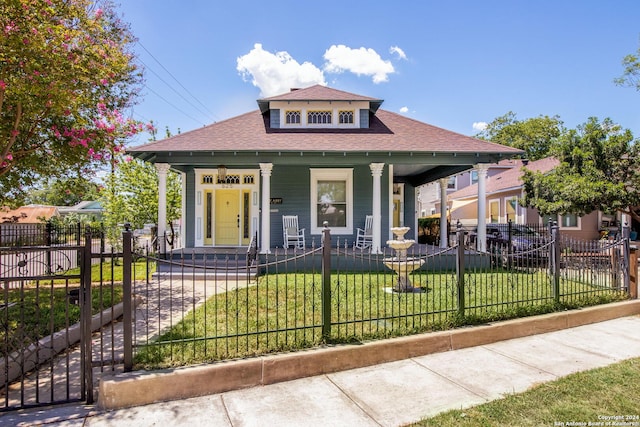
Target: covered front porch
[227, 207]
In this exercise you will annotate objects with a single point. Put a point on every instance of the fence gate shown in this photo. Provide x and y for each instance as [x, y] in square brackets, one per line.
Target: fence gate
[47, 318]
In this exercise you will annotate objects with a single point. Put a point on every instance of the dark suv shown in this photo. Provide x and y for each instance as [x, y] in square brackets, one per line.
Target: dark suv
[520, 245]
[523, 238]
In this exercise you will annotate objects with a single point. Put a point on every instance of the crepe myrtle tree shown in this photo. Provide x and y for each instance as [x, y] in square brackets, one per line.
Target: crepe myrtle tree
[599, 170]
[66, 75]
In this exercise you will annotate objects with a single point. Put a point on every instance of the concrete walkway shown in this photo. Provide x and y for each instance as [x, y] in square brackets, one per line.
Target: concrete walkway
[389, 394]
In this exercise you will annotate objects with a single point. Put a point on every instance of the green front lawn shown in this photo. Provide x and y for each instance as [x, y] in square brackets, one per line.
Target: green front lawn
[283, 312]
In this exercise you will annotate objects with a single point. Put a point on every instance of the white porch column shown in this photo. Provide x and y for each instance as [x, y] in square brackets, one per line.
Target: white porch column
[444, 235]
[265, 172]
[481, 239]
[376, 173]
[162, 169]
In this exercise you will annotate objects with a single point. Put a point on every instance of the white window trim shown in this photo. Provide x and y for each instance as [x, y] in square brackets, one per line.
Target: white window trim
[331, 175]
[518, 210]
[473, 180]
[577, 227]
[455, 183]
[490, 202]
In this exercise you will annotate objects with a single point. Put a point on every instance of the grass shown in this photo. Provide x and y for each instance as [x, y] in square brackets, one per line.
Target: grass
[40, 309]
[110, 271]
[580, 398]
[283, 312]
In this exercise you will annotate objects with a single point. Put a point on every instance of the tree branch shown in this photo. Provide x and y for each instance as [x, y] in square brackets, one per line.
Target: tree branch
[14, 133]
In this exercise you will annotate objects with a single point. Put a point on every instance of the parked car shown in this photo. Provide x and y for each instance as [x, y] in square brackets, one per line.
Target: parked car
[516, 244]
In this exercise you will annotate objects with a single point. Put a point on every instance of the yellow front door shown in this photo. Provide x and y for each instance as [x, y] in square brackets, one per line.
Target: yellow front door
[227, 217]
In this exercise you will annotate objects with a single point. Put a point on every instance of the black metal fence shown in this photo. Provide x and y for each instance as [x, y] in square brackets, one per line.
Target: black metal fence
[199, 307]
[58, 294]
[61, 300]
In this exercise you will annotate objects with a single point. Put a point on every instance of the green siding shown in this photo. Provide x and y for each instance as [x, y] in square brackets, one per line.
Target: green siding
[292, 184]
[410, 209]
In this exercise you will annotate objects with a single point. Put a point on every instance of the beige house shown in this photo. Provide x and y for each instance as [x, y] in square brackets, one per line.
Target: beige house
[503, 192]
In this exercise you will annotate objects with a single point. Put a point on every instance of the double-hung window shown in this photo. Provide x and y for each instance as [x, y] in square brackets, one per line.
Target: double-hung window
[332, 200]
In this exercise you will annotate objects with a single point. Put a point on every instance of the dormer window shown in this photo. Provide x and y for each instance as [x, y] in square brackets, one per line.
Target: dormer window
[293, 117]
[318, 117]
[345, 117]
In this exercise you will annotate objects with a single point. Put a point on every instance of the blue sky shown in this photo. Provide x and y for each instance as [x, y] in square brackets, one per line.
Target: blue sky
[452, 64]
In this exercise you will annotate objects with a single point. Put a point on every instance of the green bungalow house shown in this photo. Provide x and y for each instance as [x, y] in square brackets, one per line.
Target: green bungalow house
[318, 153]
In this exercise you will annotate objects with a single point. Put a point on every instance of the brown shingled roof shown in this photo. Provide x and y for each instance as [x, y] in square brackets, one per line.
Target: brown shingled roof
[318, 93]
[387, 132]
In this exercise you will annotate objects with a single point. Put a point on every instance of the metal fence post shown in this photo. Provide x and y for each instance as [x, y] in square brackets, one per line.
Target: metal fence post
[127, 312]
[48, 242]
[460, 269]
[86, 388]
[510, 244]
[555, 261]
[633, 272]
[326, 282]
[626, 255]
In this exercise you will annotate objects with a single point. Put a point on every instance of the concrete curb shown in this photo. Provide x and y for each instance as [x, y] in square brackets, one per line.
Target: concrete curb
[140, 388]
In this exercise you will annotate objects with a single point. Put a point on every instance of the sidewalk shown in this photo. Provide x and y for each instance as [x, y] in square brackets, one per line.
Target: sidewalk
[390, 394]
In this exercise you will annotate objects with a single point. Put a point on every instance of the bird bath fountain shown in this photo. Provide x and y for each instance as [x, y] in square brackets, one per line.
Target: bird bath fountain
[400, 263]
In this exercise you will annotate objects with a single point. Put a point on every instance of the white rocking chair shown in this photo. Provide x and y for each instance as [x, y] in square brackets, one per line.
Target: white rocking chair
[364, 237]
[293, 235]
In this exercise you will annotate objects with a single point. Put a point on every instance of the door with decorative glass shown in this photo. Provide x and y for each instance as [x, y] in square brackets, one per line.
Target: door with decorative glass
[227, 217]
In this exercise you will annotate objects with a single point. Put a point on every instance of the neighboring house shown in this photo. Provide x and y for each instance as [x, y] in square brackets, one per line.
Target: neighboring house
[89, 209]
[15, 224]
[319, 153]
[503, 192]
[429, 194]
[30, 214]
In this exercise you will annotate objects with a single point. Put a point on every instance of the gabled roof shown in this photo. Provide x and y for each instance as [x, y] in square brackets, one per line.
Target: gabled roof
[507, 180]
[319, 93]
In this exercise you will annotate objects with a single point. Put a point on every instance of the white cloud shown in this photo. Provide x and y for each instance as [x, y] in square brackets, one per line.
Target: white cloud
[397, 50]
[360, 61]
[479, 126]
[404, 110]
[276, 73]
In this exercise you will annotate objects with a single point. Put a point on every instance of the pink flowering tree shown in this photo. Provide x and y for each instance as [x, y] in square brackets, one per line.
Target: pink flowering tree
[67, 73]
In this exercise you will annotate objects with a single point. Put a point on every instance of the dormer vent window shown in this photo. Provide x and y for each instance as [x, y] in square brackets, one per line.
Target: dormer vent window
[292, 117]
[345, 117]
[319, 117]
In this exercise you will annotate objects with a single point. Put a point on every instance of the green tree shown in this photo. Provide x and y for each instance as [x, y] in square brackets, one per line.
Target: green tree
[631, 74]
[66, 74]
[131, 196]
[599, 170]
[65, 191]
[535, 135]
